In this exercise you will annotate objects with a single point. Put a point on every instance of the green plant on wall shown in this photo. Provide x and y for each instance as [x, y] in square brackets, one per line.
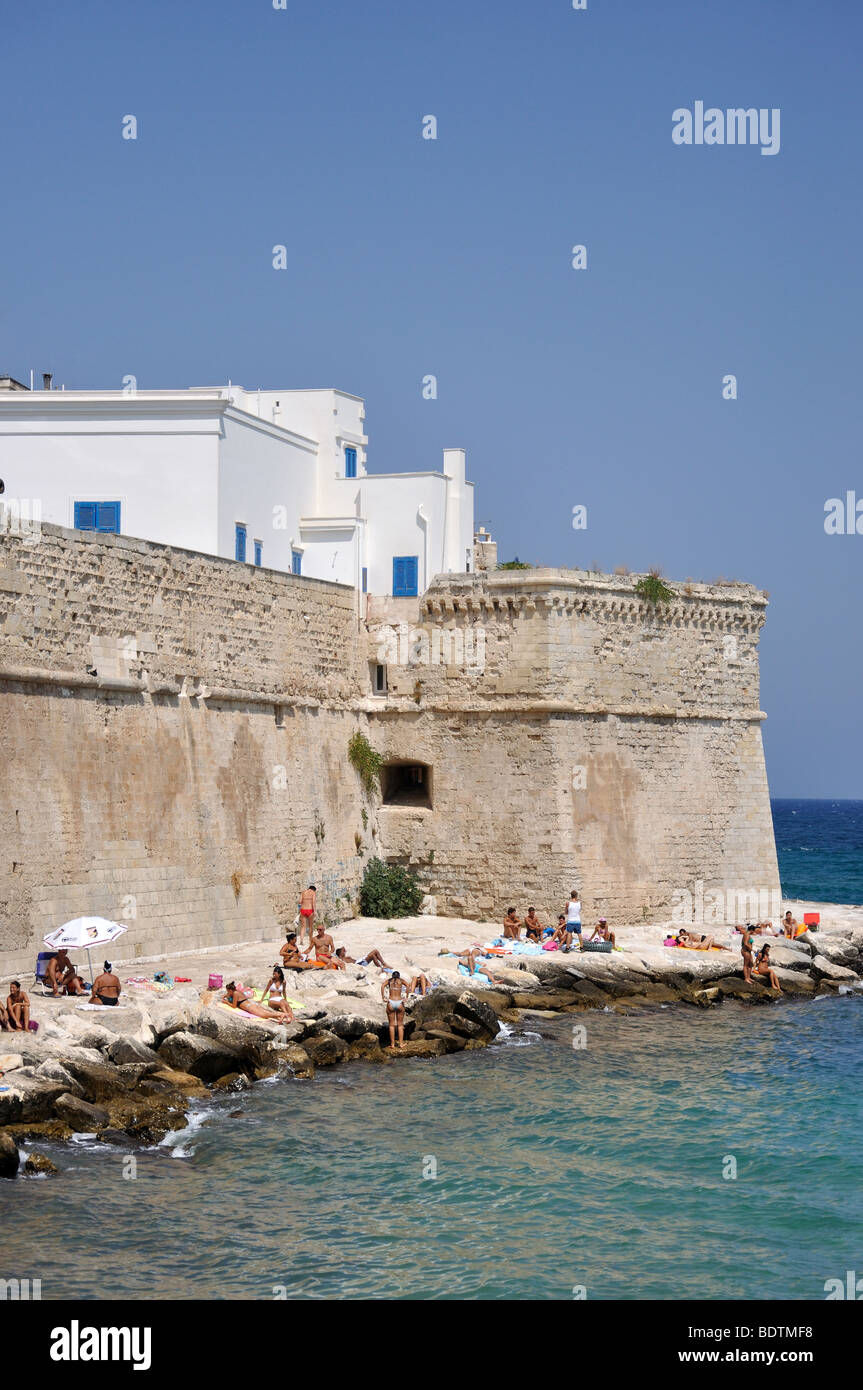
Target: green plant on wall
[515, 564]
[366, 761]
[653, 588]
[388, 890]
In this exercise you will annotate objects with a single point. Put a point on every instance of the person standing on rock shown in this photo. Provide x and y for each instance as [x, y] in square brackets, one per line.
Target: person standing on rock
[18, 1008]
[746, 953]
[393, 992]
[308, 903]
[573, 922]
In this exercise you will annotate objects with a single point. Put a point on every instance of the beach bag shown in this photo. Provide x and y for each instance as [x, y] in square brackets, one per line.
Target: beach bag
[550, 946]
[214, 982]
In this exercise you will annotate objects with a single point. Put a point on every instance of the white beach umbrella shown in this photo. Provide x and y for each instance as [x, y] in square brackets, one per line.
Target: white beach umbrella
[83, 933]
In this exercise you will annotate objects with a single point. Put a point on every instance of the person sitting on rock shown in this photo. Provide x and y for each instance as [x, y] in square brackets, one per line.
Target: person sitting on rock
[18, 1008]
[511, 925]
[274, 996]
[533, 925]
[601, 932]
[239, 997]
[290, 954]
[763, 967]
[106, 987]
[789, 924]
[325, 952]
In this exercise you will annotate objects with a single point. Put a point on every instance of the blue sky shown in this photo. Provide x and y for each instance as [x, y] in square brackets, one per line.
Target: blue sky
[407, 256]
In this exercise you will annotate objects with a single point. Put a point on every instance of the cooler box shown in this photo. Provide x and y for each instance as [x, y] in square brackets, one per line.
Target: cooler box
[811, 919]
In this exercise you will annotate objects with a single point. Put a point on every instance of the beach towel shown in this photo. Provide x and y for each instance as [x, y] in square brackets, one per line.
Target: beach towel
[253, 1018]
[478, 975]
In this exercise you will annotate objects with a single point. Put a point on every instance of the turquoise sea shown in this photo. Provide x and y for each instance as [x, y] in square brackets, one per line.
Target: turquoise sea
[680, 1154]
[820, 849]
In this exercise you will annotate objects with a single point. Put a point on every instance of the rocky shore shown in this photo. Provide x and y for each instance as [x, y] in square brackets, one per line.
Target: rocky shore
[128, 1075]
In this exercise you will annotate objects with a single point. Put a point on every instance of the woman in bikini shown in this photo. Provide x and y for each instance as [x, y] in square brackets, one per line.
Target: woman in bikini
[746, 953]
[763, 967]
[393, 992]
[274, 996]
[244, 999]
[697, 942]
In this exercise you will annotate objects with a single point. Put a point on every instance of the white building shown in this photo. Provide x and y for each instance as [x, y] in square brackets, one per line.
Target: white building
[274, 478]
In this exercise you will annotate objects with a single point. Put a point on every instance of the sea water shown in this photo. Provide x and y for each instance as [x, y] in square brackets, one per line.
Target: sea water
[677, 1154]
[820, 849]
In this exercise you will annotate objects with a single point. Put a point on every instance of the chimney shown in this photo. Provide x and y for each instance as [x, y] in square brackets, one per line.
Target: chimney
[47, 378]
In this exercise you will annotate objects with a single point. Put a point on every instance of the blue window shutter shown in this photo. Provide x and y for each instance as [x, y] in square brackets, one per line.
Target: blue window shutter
[259, 553]
[239, 542]
[108, 516]
[296, 562]
[350, 462]
[85, 516]
[365, 580]
[405, 576]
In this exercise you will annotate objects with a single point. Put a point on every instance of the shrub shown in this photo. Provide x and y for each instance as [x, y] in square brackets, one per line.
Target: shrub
[515, 564]
[389, 891]
[367, 762]
[653, 588]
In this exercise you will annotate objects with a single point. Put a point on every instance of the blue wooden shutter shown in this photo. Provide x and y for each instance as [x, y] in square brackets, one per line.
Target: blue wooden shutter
[350, 462]
[85, 516]
[259, 553]
[239, 542]
[405, 576]
[296, 562]
[108, 516]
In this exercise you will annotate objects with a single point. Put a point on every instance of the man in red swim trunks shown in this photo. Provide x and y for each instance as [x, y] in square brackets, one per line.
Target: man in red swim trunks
[308, 898]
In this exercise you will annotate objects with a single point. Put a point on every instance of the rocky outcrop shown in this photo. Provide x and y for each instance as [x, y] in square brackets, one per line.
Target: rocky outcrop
[8, 1156]
[80, 1115]
[36, 1163]
[201, 1056]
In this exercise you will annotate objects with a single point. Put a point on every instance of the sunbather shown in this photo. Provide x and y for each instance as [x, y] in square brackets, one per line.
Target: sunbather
[18, 1008]
[763, 967]
[274, 996]
[72, 983]
[533, 925]
[106, 987]
[56, 969]
[239, 997]
[372, 957]
[325, 951]
[393, 992]
[290, 954]
[511, 925]
[746, 953]
[697, 942]
[601, 932]
[420, 984]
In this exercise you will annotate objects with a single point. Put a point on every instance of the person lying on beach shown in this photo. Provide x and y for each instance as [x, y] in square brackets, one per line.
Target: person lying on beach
[601, 932]
[274, 996]
[239, 997]
[763, 967]
[511, 925]
[18, 1008]
[393, 993]
[291, 957]
[420, 984]
[697, 942]
[533, 925]
[106, 987]
[766, 929]
[372, 957]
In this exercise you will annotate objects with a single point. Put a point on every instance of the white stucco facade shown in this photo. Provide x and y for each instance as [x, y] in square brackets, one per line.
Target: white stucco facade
[188, 468]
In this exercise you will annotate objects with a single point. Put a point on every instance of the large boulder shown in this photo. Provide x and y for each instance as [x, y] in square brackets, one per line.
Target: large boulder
[38, 1098]
[53, 1070]
[366, 1049]
[125, 1050]
[351, 1027]
[36, 1163]
[80, 1115]
[98, 1082]
[419, 1047]
[9, 1157]
[829, 970]
[10, 1061]
[453, 1042]
[203, 1057]
[473, 1007]
[325, 1048]
[236, 1029]
[296, 1060]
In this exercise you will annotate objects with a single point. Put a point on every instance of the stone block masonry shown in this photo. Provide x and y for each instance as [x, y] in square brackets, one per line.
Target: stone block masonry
[174, 731]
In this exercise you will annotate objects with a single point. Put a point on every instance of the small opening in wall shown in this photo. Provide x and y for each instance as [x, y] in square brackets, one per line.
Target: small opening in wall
[379, 678]
[406, 784]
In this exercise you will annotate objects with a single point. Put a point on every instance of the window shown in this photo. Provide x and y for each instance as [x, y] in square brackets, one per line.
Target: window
[405, 576]
[365, 580]
[239, 542]
[259, 553]
[296, 562]
[97, 516]
[379, 679]
[350, 462]
[406, 784]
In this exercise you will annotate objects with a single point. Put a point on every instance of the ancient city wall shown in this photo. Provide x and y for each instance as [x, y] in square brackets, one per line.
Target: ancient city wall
[174, 731]
[173, 736]
[579, 736]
